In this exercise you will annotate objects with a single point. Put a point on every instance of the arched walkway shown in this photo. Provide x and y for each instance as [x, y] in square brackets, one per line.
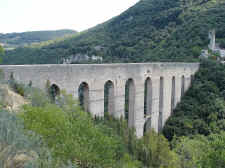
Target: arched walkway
[130, 102]
[83, 92]
[161, 101]
[173, 94]
[109, 99]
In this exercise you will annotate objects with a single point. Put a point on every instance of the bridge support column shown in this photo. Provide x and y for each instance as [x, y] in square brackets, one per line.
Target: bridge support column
[96, 101]
[187, 83]
[167, 96]
[178, 89]
[139, 120]
[155, 103]
[119, 100]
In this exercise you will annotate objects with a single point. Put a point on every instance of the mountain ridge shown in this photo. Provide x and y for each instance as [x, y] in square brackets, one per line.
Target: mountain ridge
[15, 39]
[152, 30]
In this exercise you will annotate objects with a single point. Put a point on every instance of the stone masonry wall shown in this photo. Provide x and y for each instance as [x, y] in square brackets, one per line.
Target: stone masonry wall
[69, 78]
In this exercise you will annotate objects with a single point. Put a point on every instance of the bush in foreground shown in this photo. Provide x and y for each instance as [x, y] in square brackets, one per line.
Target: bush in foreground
[20, 148]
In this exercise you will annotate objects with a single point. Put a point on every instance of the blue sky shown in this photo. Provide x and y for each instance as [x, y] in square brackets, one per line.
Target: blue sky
[31, 15]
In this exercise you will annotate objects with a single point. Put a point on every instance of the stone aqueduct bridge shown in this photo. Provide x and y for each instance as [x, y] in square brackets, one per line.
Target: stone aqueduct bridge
[165, 83]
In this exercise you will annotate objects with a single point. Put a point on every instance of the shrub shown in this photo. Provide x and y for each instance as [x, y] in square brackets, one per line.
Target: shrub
[154, 151]
[15, 143]
[71, 134]
[201, 151]
[18, 88]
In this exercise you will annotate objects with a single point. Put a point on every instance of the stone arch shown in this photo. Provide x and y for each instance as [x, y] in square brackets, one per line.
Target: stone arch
[83, 94]
[54, 91]
[148, 97]
[173, 94]
[109, 98]
[182, 85]
[161, 102]
[130, 102]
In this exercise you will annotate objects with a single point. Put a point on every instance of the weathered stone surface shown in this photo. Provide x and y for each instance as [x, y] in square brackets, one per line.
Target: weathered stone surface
[10, 100]
[69, 77]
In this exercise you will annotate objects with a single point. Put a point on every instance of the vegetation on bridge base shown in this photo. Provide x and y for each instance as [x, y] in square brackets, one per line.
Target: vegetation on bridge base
[74, 135]
[70, 134]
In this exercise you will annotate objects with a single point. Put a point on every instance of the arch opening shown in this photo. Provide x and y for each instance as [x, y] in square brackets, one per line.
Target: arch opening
[109, 99]
[161, 101]
[192, 79]
[83, 92]
[130, 102]
[173, 94]
[148, 98]
[54, 92]
[147, 126]
[182, 86]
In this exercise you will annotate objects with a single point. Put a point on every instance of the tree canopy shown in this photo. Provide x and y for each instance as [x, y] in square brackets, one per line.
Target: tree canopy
[202, 109]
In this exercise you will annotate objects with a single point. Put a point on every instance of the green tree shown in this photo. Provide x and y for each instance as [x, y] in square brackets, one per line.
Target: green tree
[191, 151]
[216, 155]
[16, 142]
[1, 53]
[154, 151]
[196, 51]
[202, 109]
[70, 133]
[201, 151]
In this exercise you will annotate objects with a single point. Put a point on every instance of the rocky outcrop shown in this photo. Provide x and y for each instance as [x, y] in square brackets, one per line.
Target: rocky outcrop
[9, 99]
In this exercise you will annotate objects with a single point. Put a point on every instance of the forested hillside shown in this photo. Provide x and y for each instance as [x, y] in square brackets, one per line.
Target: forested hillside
[152, 30]
[14, 40]
[202, 109]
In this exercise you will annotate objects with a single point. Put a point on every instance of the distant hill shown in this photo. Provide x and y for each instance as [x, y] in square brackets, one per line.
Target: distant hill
[14, 40]
[151, 30]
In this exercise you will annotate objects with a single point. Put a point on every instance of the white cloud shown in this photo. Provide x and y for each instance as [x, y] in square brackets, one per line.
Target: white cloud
[29, 15]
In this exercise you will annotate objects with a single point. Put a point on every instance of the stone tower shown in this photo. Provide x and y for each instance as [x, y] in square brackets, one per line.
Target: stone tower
[212, 37]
